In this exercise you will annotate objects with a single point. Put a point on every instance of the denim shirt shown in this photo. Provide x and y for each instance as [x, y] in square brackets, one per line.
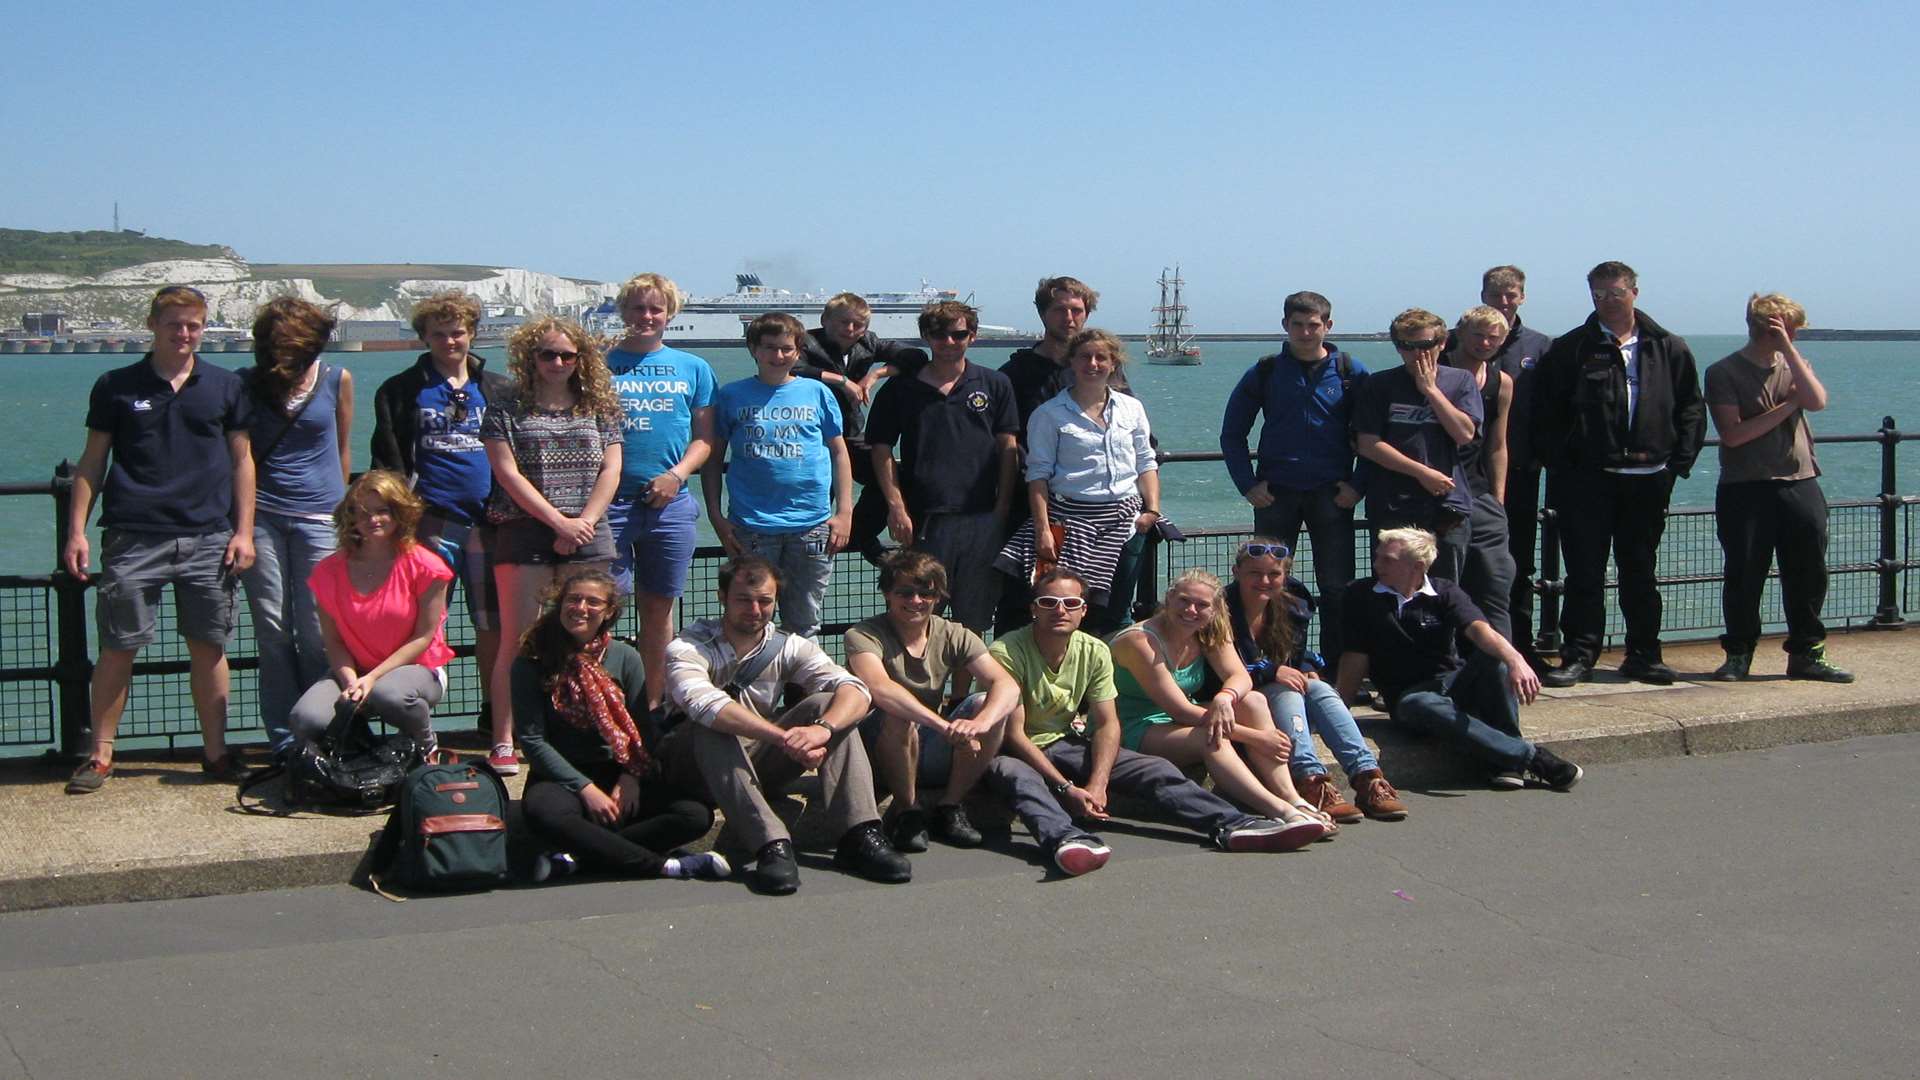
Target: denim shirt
[1079, 459]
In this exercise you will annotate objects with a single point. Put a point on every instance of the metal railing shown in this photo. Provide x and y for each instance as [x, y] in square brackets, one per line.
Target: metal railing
[46, 658]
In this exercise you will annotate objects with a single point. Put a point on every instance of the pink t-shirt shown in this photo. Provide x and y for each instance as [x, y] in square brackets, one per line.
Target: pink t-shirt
[373, 625]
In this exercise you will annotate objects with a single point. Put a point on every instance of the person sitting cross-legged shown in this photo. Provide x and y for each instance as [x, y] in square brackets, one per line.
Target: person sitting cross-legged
[735, 743]
[905, 655]
[594, 790]
[1052, 774]
[1401, 628]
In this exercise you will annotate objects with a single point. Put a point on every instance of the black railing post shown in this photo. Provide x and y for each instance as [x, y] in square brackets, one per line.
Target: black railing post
[73, 665]
[1146, 591]
[1887, 617]
[1548, 585]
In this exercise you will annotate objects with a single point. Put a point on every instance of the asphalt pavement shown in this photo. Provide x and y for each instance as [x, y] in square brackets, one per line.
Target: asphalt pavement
[1748, 914]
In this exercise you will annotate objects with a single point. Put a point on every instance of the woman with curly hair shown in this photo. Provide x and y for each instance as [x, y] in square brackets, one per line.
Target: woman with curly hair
[383, 611]
[594, 790]
[555, 450]
[1160, 667]
[302, 419]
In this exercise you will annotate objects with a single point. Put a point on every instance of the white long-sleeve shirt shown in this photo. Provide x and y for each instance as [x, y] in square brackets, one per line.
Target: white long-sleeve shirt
[1079, 459]
[700, 662]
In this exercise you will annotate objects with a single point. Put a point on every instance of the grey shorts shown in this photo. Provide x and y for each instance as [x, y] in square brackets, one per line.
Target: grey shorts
[136, 565]
[523, 541]
[474, 566]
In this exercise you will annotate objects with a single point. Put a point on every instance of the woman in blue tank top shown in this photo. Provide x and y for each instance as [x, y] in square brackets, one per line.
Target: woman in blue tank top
[302, 417]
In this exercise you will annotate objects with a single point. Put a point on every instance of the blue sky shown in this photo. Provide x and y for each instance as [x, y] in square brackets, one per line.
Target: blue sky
[1382, 154]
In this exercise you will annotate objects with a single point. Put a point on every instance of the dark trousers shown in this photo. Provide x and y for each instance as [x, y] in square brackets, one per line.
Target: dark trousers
[1523, 534]
[1755, 521]
[870, 509]
[1473, 707]
[1601, 511]
[664, 820]
[1141, 776]
[1331, 529]
[1487, 572]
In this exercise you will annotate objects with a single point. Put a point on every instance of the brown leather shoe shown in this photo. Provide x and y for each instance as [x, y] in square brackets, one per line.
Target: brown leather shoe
[1324, 794]
[1376, 797]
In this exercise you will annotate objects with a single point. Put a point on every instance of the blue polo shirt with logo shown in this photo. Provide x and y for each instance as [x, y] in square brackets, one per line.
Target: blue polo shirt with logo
[169, 471]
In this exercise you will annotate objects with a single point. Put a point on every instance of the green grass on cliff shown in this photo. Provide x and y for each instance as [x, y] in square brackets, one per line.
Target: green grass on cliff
[96, 251]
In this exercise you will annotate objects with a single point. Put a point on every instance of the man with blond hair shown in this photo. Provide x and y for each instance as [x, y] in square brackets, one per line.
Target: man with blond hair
[1617, 419]
[1403, 629]
[1769, 499]
[1487, 574]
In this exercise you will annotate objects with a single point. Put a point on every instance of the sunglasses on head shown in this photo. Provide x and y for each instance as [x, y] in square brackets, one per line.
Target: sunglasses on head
[1062, 603]
[548, 356]
[1255, 551]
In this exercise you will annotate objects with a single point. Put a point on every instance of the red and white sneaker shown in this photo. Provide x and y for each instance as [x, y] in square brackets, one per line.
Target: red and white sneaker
[1081, 855]
[503, 761]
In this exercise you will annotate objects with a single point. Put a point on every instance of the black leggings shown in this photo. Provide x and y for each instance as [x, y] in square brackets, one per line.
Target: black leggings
[665, 820]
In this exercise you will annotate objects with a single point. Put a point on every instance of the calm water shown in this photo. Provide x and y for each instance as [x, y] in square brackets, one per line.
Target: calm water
[44, 400]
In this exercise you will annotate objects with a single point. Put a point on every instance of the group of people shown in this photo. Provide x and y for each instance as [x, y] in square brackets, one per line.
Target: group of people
[1019, 500]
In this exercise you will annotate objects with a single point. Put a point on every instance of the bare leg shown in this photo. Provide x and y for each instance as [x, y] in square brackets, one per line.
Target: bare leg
[1271, 768]
[112, 675]
[656, 629]
[519, 587]
[1186, 745]
[208, 680]
[486, 649]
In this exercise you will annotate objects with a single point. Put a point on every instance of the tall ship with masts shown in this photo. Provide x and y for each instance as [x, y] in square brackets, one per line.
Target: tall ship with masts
[1171, 340]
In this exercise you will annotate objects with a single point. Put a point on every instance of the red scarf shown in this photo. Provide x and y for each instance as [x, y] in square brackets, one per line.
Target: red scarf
[588, 698]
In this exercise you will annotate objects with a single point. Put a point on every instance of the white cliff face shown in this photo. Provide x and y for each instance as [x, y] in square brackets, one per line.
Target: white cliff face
[233, 295]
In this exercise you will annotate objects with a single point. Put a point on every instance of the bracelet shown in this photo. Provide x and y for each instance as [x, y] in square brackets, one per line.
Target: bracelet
[1061, 788]
[822, 722]
[1231, 696]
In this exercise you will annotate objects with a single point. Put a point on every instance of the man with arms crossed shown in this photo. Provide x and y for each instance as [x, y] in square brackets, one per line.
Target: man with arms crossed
[1053, 775]
[176, 507]
[1617, 418]
[737, 744]
[1304, 396]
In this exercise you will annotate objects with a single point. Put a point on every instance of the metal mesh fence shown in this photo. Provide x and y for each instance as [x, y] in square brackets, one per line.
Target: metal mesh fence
[26, 645]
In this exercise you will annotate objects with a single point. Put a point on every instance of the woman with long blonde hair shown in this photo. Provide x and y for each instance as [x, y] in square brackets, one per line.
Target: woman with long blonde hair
[1160, 666]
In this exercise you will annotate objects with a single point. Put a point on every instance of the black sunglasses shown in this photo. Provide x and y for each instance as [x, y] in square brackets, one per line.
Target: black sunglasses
[1416, 346]
[547, 356]
[460, 401]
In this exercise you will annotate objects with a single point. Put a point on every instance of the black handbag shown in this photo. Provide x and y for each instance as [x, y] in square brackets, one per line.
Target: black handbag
[348, 769]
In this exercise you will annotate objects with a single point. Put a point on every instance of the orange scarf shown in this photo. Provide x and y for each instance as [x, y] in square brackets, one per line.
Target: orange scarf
[588, 698]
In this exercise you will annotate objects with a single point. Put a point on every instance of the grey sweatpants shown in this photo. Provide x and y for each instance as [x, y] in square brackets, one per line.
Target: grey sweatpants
[404, 697]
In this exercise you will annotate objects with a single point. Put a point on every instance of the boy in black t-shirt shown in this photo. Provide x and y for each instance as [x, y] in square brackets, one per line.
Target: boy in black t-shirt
[1401, 626]
[950, 493]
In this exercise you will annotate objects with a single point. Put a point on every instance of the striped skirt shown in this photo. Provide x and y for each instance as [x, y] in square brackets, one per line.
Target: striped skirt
[1095, 533]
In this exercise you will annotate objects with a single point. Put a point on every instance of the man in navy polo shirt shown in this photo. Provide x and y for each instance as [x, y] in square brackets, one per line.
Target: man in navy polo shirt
[1413, 421]
[168, 452]
[1304, 395]
[953, 487]
[1402, 626]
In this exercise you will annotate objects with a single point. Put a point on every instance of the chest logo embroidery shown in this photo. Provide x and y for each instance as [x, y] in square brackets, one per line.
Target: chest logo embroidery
[142, 405]
[977, 401]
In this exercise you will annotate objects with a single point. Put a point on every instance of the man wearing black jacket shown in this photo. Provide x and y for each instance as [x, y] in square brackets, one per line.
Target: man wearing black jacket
[1617, 418]
[1504, 288]
[850, 359]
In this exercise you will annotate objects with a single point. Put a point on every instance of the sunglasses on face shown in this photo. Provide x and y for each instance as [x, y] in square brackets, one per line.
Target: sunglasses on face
[1612, 294]
[548, 356]
[1060, 603]
[1255, 551]
[909, 592]
[591, 603]
[1419, 346]
[950, 335]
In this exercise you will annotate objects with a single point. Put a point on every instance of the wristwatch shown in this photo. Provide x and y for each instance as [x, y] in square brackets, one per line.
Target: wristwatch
[1061, 787]
[821, 721]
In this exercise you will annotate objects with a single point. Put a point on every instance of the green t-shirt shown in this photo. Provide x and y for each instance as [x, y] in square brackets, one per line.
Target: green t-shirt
[1053, 697]
[950, 646]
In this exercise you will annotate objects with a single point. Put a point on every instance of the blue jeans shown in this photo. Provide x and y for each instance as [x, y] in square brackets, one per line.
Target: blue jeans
[1475, 707]
[1320, 711]
[805, 569]
[286, 624]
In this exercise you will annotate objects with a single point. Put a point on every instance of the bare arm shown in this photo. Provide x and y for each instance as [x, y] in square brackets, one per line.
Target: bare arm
[1496, 447]
[1009, 468]
[840, 526]
[893, 699]
[899, 522]
[1382, 453]
[77, 555]
[1149, 482]
[604, 485]
[343, 424]
[239, 554]
[1003, 690]
[666, 487]
[1737, 432]
[1137, 654]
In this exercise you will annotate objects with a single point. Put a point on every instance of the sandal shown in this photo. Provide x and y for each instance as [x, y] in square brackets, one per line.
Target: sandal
[1314, 813]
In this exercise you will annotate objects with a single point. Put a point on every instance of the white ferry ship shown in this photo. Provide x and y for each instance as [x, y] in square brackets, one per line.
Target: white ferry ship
[720, 321]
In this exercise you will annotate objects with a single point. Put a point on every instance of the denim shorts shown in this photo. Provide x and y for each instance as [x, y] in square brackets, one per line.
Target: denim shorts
[474, 567]
[134, 567]
[653, 548]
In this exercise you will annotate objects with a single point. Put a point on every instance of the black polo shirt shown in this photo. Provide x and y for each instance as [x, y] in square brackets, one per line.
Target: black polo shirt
[1406, 645]
[949, 453]
[169, 471]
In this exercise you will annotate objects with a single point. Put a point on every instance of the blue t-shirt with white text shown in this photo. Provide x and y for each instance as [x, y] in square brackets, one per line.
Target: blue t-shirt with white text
[449, 462]
[779, 471]
[658, 395]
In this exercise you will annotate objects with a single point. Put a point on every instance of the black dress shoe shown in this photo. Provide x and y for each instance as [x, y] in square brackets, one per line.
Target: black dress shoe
[1652, 672]
[775, 872]
[865, 853]
[1568, 673]
[951, 825]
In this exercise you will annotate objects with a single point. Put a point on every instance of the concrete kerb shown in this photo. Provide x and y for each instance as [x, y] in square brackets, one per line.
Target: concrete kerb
[155, 833]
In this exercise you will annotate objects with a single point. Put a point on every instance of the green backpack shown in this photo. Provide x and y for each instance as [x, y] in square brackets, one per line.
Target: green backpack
[447, 834]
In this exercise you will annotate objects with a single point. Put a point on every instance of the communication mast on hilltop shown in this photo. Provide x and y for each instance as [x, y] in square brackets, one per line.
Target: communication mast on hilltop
[116, 215]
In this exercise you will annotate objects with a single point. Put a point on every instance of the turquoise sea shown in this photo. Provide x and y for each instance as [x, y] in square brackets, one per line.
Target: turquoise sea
[43, 399]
